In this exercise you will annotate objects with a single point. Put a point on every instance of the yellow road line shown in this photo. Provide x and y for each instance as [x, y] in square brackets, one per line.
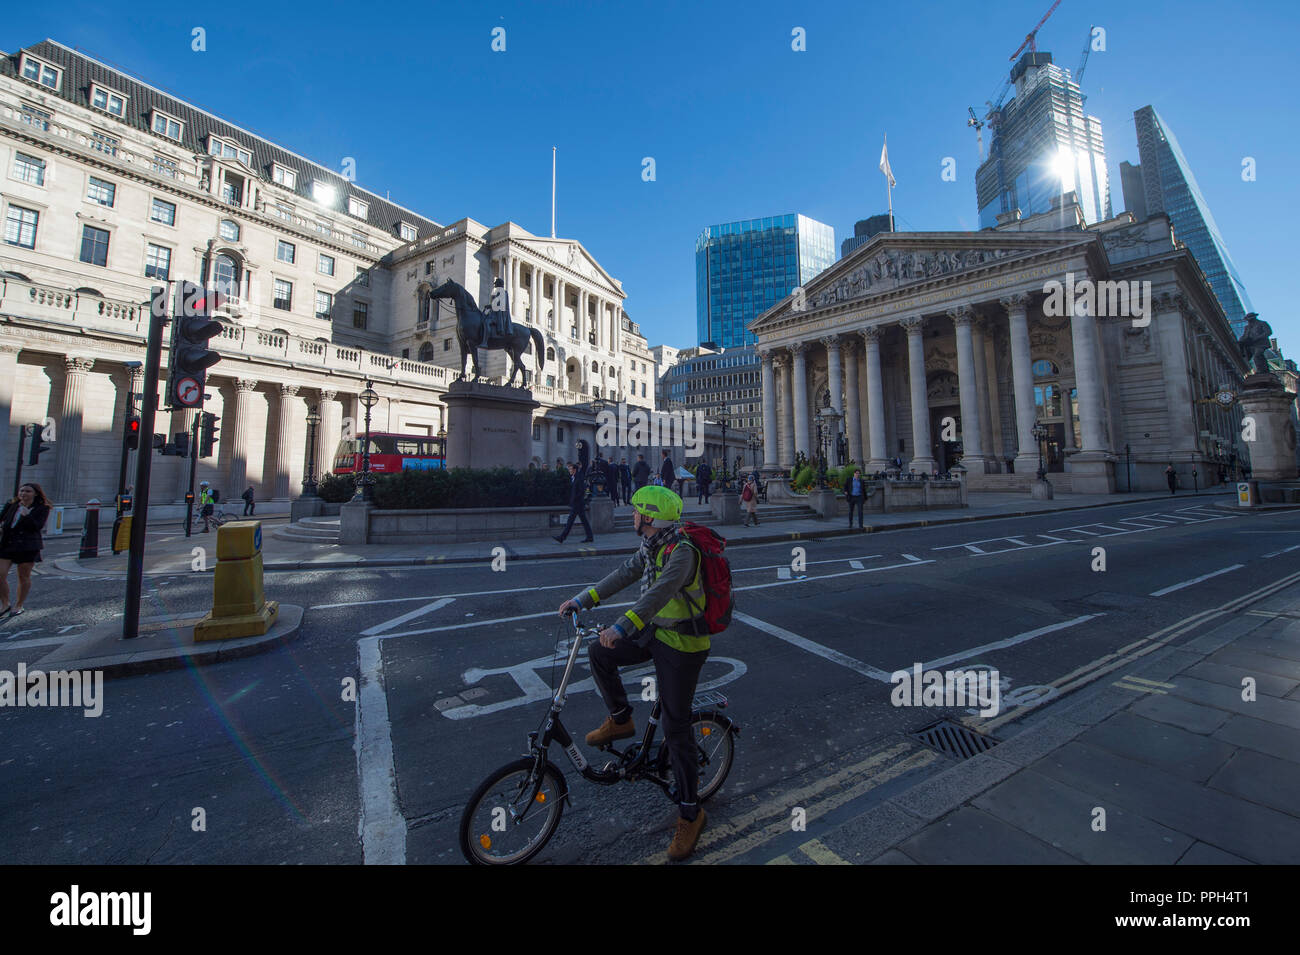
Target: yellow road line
[763, 811]
[1139, 689]
[1138, 679]
[781, 860]
[814, 850]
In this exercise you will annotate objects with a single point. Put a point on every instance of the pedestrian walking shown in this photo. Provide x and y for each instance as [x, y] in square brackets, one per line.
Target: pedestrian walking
[577, 504]
[749, 498]
[23, 521]
[856, 493]
[640, 472]
[1171, 476]
[250, 502]
[625, 480]
[667, 473]
[703, 477]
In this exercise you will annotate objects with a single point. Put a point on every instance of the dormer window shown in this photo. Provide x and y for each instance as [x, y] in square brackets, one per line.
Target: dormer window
[406, 231]
[284, 177]
[165, 125]
[228, 150]
[357, 208]
[323, 193]
[110, 102]
[40, 72]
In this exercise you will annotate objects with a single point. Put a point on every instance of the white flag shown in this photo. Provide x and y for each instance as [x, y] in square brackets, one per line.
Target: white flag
[884, 163]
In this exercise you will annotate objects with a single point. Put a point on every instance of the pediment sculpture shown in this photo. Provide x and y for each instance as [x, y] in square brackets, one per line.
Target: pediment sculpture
[890, 268]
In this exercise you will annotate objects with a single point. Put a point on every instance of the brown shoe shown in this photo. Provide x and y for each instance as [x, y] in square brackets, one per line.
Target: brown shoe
[610, 731]
[688, 833]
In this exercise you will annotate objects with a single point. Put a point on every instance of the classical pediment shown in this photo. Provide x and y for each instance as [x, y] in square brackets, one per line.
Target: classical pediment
[890, 264]
[571, 255]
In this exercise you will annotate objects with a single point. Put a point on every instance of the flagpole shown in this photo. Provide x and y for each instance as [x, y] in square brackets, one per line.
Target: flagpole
[553, 193]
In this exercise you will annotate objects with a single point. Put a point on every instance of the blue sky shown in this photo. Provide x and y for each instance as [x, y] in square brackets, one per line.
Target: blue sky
[739, 125]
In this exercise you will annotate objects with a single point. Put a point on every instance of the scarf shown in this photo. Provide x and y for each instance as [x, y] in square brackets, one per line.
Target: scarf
[649, 548]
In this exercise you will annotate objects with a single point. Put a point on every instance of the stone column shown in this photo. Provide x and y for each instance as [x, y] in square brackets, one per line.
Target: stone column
[534, 296]
[922, 457]
[782, 363]
[8, 375]
[239, 430]
[769, 412]
[327, 437]
[982, 392]
[514, 290]
[1022, 376]
[800, 388]
[67, 446]
[284, 443]
[879, 459]
[557, 292]
[853, 413]
[972, 436]
[1092, 471]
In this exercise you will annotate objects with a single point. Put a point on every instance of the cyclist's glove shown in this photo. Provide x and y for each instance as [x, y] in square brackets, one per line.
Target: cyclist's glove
[588, 599]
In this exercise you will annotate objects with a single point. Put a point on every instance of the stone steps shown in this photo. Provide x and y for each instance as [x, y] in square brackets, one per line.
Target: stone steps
[314, 530]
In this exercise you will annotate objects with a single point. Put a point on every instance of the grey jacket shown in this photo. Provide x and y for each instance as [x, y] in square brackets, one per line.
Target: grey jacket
[637, 622]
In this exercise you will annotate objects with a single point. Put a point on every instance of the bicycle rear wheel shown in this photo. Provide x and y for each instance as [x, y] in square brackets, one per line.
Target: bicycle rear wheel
[512, 816]
[716, 746]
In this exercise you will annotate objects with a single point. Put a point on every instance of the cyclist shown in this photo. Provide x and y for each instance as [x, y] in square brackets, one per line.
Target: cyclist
[206, 503]
[658, 627]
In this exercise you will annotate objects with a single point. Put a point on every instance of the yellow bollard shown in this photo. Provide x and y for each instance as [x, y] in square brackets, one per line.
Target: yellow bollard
[122, 534]
[239, 606]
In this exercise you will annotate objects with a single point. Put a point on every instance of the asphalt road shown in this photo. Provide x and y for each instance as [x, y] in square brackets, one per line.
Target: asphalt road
[454, 668]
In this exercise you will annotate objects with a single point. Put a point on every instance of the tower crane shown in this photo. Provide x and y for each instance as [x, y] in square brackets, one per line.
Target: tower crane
[1078, 74]
[979, 129]
[1029, 38]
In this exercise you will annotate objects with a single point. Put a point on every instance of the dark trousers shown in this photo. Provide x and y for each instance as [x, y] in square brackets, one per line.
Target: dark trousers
[248, 508]
[676, 675]
[704, 493]
[627, 491]
[860, 505]
[613, 491]
[1173, 482]
[574, 514]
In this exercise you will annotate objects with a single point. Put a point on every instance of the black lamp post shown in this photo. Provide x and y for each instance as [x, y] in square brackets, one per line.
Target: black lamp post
[722, 420]
[365, 480]
[1040, 435]
[309, 481]
[755, 442]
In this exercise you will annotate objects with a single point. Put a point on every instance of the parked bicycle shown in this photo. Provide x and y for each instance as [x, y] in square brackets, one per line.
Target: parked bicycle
[516, 810]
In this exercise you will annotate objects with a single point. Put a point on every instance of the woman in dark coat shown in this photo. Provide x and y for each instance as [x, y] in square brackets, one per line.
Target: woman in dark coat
[21, 523]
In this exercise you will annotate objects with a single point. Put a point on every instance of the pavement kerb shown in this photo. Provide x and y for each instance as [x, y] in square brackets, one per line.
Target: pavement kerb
[73, 565]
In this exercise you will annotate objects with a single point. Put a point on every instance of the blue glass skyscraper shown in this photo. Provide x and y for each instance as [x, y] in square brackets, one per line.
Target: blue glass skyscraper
[1168, 186]
[744, 268]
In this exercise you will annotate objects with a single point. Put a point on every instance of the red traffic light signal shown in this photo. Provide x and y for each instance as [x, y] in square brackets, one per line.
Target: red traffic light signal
[190, 356]
[132, 433]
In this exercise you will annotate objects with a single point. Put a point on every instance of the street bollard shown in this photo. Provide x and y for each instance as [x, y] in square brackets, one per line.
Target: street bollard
[121, 534]
[239, 605]
[90, 530]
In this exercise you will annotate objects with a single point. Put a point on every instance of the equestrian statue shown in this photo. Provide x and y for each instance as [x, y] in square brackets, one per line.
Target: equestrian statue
[1254, 341]
[492, 330]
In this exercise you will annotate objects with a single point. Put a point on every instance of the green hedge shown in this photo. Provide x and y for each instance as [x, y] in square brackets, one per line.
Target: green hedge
[336, 488]
[466, 487]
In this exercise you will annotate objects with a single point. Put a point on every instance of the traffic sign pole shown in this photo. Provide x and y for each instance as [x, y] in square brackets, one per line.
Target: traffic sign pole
[194, 462]
[143, 466]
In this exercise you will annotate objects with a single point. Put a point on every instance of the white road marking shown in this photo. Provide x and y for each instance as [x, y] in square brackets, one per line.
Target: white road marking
[855, 564]
[1194, 580]
[381, 825]
[1008, 642]
[783, 573]
[914, 559]
[804, 643]
[39, 642]
[398, 621]
[1286, 550]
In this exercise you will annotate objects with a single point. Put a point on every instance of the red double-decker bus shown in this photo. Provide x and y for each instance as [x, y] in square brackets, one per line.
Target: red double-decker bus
[391, 452]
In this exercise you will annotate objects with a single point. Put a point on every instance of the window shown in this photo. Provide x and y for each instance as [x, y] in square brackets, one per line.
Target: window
[426, 352]
[107, 100]
[359, 239]
[324, 305]
[360, 312]
[325, 264]
[550, 381]
[94, 245]
[281, 211]
[164, 125]
[29, 169]
[105, 143]
[285, 251]
[357, 208]
[230, 230]
[428, 267]
[162, 211]
[232, 191]
[406, 353]
[285, 177]
[446, 344]
[407, 231]
[226, 274]
[643, 389]
[39, 72]
[550, 354]
[323, 193]
[164, 166]
[37, 118]
[219, 147]
[283, 295]
[363, 277]
[20, 227]
[98, 190]
[157, 262]
[1044, 367]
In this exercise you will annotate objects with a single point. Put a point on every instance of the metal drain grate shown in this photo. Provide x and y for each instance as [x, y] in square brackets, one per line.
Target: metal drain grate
[955, 739]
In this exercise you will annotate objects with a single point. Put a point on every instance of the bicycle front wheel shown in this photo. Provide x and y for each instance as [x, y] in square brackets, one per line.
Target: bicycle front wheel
[512, 815]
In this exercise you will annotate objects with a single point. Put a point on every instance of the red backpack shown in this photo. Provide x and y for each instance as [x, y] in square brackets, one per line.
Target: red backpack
[715, 576]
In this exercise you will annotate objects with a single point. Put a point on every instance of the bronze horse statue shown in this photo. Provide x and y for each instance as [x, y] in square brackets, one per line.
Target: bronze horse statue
[470, 322]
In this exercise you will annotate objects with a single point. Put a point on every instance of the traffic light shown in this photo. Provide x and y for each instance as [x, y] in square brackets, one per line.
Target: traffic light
[132, 437]
[208, 434]
[38, 445]
[189, 354]
[181, 443]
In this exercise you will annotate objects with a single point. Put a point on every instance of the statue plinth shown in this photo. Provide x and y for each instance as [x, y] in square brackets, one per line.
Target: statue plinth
[1268, 405]
[489, 426]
